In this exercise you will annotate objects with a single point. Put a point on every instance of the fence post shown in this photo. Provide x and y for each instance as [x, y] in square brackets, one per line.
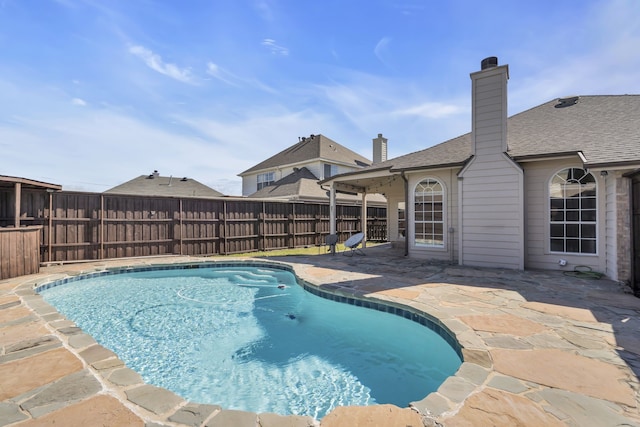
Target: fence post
[223, 232]
[262, 229]
[292, 227]
[180, 229]
[50, 224]
[318, 225]
[102, 226]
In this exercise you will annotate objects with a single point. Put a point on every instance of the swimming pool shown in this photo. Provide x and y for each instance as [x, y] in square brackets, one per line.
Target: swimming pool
[251, 338]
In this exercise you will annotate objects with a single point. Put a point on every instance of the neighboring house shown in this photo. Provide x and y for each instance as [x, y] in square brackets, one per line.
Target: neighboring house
[553, 187]
[292, 170]
[300, 184]
[164, 186]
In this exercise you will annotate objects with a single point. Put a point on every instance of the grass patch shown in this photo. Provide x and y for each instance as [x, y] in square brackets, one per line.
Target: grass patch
[310, 250]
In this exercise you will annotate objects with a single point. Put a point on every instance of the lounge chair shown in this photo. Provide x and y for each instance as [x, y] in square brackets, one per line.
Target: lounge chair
[353, 242]
[331, 241]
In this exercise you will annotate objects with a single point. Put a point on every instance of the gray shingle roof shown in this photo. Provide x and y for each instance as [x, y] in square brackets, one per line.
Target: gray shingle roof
[292, 185]
[155, 185]
[605, 128]
[303, 185]
[318, 147]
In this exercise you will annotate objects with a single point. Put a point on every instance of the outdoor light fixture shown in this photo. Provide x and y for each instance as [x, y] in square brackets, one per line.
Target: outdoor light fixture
[604, 173]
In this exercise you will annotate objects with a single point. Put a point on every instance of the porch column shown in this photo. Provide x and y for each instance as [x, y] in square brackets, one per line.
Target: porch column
[332, 214]
[363, 218]
[18, 190]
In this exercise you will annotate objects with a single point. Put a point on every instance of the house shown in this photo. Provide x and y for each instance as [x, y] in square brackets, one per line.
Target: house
[292, 171]
[553, 187]
[164, 186]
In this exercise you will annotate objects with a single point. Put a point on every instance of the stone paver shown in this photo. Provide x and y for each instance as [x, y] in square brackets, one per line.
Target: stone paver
[275, 420]
[69, 389]
[97, 411]
[10, 413]
[96, 353]
[586, 411]
[19, 376]
[497, 408]
[504, 324]
[564, 370]
[193, 414]
[19, 332]
[540, 348]
[124, 377]
[229, 417]
[373, 416]
[154, 399]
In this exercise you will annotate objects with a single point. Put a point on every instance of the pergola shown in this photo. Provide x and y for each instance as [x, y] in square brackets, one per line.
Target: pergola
[19, 184]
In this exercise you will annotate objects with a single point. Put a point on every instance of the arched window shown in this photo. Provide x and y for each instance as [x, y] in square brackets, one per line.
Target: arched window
[573, 212]
[428, 213]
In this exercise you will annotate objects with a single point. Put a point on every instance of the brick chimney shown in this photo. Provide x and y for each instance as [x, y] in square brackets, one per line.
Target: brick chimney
[379, 149]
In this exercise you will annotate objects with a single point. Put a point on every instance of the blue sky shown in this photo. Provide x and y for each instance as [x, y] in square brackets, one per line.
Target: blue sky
[96, 92]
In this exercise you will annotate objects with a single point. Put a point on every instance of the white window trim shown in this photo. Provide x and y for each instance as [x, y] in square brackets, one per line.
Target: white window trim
[547, 222]
[265, 182]
[412, 236]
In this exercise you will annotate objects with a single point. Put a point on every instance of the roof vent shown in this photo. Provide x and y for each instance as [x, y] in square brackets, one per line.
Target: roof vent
[184, 179]
[567, 102]
[489, 62]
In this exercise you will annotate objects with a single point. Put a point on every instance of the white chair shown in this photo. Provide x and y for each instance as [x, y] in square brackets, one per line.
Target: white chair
[353, 242]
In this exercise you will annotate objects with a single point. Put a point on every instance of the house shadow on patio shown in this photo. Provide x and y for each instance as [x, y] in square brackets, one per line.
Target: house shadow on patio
[562, 345]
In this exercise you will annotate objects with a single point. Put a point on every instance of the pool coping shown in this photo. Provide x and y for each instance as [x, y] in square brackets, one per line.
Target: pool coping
[333, 293]
[158, 406]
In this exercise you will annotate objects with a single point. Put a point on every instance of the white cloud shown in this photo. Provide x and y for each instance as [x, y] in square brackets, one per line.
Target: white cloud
[221, 74]
[155, 62]
[265, 11]
[381, 50]
[79, 102]
[275, 48]
[258, 133]
[231, 79]
[430, 110]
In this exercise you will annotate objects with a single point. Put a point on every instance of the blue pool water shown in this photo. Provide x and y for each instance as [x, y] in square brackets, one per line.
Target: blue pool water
[251, 338]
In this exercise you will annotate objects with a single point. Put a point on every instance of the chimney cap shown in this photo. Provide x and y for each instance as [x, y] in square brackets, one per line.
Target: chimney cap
[489, 62]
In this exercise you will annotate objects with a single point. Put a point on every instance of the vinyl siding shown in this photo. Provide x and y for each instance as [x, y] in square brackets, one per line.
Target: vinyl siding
[491, 210]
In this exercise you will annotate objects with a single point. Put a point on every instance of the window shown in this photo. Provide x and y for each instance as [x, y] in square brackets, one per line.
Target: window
[330, 170]
[573, 212]
[265, 179]
[402, 224]
[428, 214]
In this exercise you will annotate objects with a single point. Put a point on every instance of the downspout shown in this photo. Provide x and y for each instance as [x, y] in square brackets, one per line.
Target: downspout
[406, 212]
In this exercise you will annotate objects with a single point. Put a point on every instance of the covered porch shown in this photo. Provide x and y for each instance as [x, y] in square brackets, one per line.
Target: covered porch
[391, 185]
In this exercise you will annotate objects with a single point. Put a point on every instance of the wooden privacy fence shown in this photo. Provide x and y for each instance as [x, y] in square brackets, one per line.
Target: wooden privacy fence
[87, 226]
[19, 251]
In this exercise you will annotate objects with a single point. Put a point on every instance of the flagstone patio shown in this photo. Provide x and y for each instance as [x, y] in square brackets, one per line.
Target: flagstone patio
[540, 348]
